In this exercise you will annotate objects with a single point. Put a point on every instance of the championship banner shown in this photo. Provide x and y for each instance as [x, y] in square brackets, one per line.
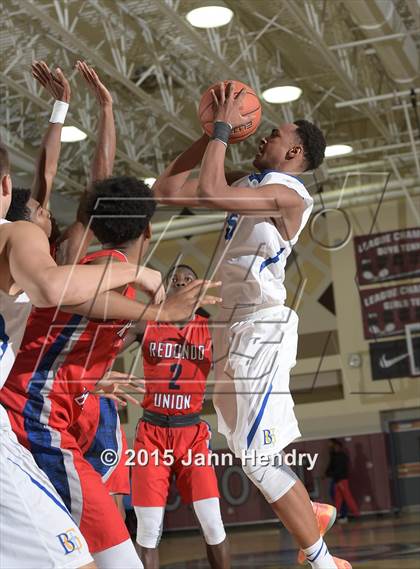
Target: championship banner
[387, 256]
[387, 310]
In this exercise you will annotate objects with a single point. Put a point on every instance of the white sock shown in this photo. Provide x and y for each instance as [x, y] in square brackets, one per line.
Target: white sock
[319, 557]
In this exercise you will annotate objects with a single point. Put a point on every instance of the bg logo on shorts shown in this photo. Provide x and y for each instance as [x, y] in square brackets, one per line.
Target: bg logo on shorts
[269, 436]
[70, 541]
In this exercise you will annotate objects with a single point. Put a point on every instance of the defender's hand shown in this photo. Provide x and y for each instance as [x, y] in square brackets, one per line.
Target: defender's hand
[118, 386]
[182, 305]
[101, 93]
[55, 83]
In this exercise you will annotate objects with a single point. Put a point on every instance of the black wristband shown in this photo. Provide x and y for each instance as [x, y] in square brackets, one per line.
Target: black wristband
[222, 131]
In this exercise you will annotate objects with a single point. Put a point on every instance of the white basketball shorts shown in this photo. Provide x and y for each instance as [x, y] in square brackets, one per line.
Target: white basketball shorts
[253, 356]
[36, 529]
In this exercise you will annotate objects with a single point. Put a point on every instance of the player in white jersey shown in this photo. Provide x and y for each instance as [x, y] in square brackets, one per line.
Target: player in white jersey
[255, 335]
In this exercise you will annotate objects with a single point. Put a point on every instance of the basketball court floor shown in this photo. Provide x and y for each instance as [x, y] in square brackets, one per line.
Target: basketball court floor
[390, 542]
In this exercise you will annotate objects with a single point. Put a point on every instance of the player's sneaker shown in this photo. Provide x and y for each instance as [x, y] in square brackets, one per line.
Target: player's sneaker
[325, 515]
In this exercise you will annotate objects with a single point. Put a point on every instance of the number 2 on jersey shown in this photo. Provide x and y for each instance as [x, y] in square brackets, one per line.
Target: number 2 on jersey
[176, 370]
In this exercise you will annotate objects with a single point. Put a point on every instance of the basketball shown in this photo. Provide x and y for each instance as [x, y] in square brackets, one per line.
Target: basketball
[250, 104]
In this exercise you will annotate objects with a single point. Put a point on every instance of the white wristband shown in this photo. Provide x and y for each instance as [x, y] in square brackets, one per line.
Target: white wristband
[59, 112]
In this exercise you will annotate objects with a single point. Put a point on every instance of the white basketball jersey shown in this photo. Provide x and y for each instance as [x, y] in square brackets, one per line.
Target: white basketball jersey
[14, 313]
[252, 254]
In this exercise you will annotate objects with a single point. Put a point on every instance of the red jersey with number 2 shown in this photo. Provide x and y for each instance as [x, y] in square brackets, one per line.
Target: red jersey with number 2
[176, 364]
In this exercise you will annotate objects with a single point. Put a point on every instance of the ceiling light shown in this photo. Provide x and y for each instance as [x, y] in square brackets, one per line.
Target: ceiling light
[209, 16]
[72, 134]
[283, 94]
[149, 181]
[338, 150]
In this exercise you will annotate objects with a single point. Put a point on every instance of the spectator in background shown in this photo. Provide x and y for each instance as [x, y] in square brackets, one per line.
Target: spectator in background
[338, 471]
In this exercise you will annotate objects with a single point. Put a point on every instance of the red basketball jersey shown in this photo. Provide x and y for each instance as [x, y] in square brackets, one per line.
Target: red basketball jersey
[176, 364]
[62, 356]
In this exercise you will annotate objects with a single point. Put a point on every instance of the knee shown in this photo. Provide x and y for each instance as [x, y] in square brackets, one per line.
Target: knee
[149, 527]
[273, 480]
[214, 532]
[210, 519]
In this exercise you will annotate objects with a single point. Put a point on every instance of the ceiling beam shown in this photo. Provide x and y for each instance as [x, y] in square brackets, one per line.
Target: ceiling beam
[297, 13]
[53, 25]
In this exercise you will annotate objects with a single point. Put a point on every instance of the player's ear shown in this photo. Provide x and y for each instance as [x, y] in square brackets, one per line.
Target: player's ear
[294, 152]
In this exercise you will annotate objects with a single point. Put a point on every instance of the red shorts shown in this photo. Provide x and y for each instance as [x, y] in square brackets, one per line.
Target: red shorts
[98, 430]
[78, 483]
[151, 479]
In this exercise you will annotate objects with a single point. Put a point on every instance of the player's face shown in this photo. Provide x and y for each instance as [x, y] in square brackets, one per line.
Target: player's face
[274, 150]
[180, 278]
[40, 216]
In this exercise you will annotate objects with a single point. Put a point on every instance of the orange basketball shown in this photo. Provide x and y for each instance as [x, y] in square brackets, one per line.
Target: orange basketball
[250, 104]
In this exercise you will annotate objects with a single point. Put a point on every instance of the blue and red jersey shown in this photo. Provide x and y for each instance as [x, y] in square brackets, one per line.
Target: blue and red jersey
[62, 357]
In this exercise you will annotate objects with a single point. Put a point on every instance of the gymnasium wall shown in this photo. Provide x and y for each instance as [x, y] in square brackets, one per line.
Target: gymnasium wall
[331, 397]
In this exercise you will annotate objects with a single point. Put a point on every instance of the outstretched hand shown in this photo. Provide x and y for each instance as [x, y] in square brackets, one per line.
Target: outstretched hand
[54, 82]
[227, 105]
[182, 305]
[94, 83]
[118, 386]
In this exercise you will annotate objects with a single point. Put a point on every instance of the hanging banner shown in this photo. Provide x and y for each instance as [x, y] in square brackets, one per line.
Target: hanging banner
[386, 310]
[387, 256]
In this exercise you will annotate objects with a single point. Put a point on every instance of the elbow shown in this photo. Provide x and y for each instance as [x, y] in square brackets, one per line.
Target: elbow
[49, 176]
[159, 191]
[205, 188]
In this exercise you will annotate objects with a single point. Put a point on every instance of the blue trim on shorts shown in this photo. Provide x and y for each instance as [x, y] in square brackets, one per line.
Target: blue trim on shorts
[47, 492]
[272, 260]
[259, 417]
[48, 457]
[105, 436]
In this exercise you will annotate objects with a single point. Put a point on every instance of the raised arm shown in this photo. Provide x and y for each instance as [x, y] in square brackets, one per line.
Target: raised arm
[104, 156]
[76, 238]
[173, 186]
[56, 84]
[214, 189]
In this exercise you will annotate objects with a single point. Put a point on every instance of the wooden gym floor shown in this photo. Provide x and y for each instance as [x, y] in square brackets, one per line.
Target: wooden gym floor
[389, 542]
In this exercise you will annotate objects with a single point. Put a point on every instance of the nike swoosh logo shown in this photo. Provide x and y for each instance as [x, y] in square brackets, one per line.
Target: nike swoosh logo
[384, 363]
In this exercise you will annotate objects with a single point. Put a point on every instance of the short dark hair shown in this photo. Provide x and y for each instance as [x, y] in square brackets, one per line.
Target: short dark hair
[4, 161]
[313, 141]
[337, 442]
[19, 210]
[120, 209]
[176, 267]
